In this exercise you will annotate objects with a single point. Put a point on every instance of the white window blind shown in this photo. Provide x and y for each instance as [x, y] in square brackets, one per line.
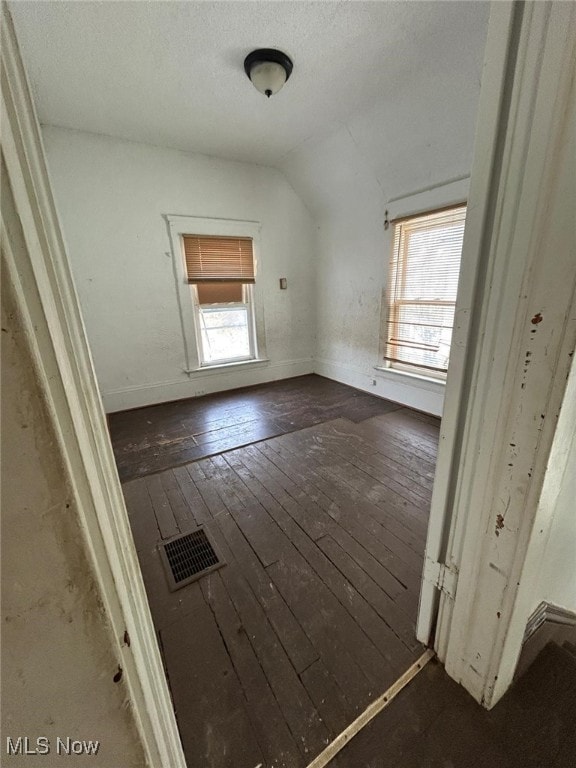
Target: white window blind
[422, 289]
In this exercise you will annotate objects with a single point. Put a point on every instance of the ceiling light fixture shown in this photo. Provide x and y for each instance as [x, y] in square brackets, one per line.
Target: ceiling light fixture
[268, 69]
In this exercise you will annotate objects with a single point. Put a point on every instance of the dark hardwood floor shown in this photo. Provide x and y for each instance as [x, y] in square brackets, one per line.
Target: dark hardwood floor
[322, 528]
[161, 436]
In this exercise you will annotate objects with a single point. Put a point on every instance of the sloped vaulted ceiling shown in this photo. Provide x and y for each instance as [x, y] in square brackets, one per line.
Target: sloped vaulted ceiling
[170, 73]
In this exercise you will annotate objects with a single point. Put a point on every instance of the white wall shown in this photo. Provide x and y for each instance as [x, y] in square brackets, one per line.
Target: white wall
[551, 559]
[58, 660]
[557, 582]
[111, 197]
[419, 136]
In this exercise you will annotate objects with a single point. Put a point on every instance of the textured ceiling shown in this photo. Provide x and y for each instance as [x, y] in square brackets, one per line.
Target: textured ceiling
[171, 73]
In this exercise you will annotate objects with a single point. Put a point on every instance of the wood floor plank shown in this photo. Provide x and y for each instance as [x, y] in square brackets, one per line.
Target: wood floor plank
[162, 509]
[299, 648]
[360, 610]
[406, 432]
[356, 453]
[236, 433]
[307, 514]
[397, 619]
[401, 552]
[427, 423]
[402, 520]
[308, 491]
[335, 709]
[347, 531]
[378, 497]
[391, 445]
[354, 521]
[371, 663]
[258, 526]
[407, 428]
[325, 460]
[307, 727]
[321, 454]
[208, 700]
[362, 545]
[141, 515]
[332, 631]
[311, 516]
[374, 627]
[422, 480]
[192, 496]
[277, 743]
[180, 509]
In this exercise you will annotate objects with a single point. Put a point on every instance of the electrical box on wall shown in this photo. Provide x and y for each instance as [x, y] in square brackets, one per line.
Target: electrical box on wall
[283, 283]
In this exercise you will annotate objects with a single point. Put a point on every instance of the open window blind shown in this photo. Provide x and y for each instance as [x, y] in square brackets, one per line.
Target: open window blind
[214, 259]
[422, 288]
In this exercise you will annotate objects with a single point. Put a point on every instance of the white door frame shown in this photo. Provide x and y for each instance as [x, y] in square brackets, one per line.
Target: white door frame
[47, 303]
[514, 334]
[442, 514]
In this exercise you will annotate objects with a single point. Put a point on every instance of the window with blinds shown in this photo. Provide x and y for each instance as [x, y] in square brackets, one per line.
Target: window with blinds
[221, 271]
[422, 287]
[219, 266]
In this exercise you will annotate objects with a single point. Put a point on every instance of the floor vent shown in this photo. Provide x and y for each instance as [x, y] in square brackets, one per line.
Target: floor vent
[188, 557]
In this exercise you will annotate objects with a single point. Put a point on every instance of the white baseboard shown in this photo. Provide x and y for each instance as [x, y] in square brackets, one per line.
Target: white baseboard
[423, 395]
[195, 385]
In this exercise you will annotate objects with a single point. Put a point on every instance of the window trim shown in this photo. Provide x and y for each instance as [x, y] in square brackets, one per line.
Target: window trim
[179, 225]
[431, 200]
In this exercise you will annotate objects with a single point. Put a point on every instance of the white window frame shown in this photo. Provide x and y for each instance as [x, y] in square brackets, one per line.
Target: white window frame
[394, 302]
[442, 196]
[187, 296]
[247, 303]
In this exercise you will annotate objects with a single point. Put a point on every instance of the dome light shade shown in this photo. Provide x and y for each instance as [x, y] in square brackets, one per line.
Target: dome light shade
[268, 70]
[268, 77]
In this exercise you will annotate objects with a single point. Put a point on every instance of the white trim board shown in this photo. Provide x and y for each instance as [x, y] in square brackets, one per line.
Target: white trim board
[47, 303]
[457, 385]
[204, 383]
[420, 394]
[438, 196]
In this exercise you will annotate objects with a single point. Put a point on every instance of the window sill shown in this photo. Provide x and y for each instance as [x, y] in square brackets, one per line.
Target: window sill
[414, 379]
[218, 367]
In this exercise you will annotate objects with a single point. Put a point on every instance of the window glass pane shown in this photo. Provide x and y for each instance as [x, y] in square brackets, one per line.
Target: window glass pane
[421, 335]
[433, 263]
[225, 334]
